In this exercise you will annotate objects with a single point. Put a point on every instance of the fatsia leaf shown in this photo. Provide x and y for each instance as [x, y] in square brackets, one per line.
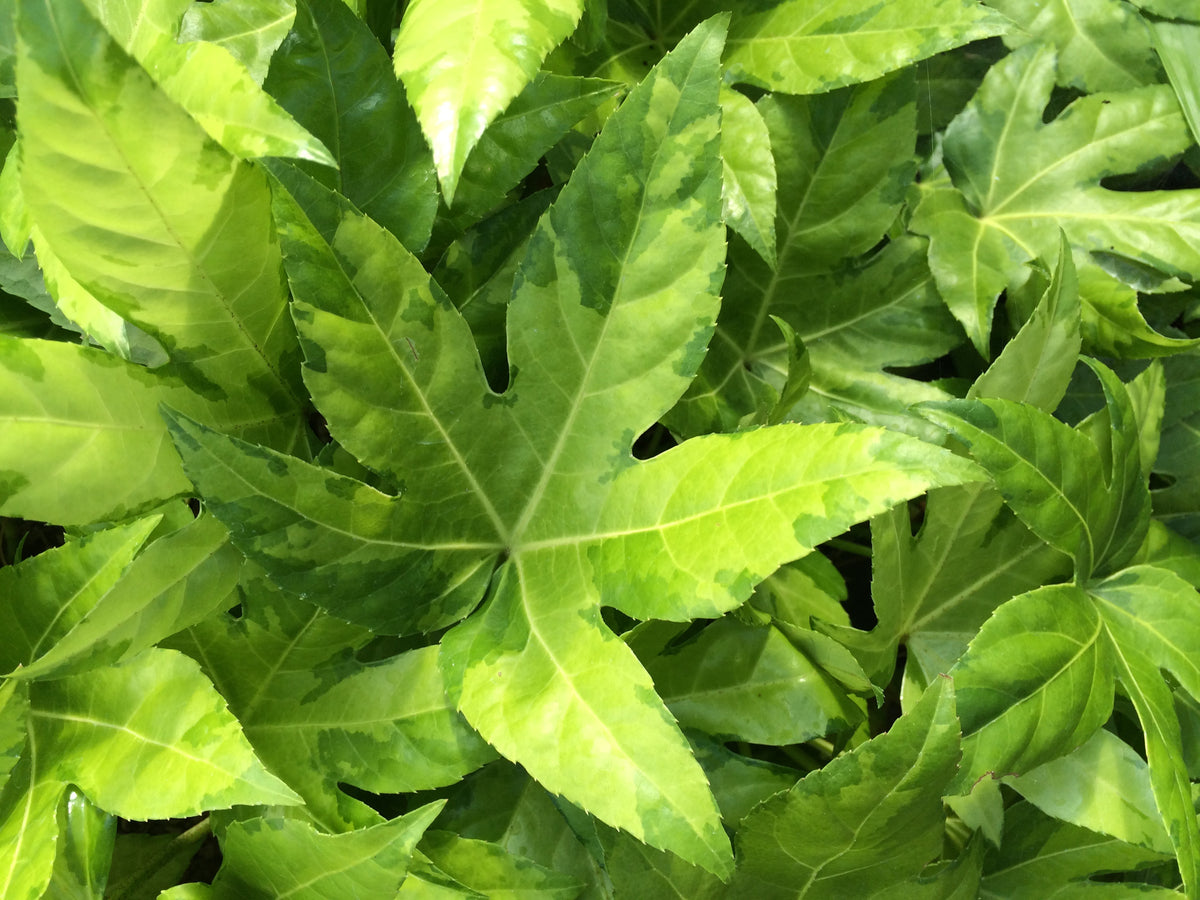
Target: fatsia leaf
[240, 117]
[1018, 180]
[860, 800]
[604, 332]
[319, 719]
[748, 192]
[1176, 43]
[1101, 46]
[49, 594]
[749, 683]
[104, 730]
[807, 47]
[1040, 856]
[28, 830]
[1048, 650]
[462, 62]
[641, 871]
[174, 583]
[179, 244]
[250, 32]
[1047, 473]
[84, 848]
[1177, 498]
[266, 858]
[1104, 786]
[14, 709]
[75, 417]
[334, 77]
[1035, 366]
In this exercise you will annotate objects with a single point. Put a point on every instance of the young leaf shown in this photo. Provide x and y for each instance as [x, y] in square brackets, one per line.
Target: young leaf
[176, 582]
[487, 869]
[181, 245]
[860, 800]
[463, 61]
[1019, 181]
[250, 32]
[28, 829]
[749, 683]
[268, 858]
[1043, 857]
[84, 848]
[805, 47]
[332, 75]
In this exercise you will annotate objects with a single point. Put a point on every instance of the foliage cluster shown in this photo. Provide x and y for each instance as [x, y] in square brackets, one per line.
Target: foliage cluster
[504, 448]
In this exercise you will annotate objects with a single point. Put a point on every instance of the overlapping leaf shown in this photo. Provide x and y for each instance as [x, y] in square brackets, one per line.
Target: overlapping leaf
[1018, 180]
[807, 47]
[319, 719]
[604, 334]
[879, 811]
[180, 244]
[462, 62]
[335, 78]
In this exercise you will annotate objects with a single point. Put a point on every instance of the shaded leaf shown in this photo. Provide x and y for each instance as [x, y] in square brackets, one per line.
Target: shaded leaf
[287, 858]
[748, 191]
[487, 869]
[860, 799]
[334, 77]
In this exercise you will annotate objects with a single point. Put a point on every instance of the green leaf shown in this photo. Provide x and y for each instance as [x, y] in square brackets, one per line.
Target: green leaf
[1043, 857]
[332, 75]
[105, 731]
[492, 872]
[807, 47]
[57, 398]
[1047, 473]
[84, 849]
[1036, 682]
[462, 62]
[48, 595]
[14, 709]
[1176, 45]
[1104, 786]
[860, 799]
[604, 333]
[250, 32]
[640, 871]
[748, 192]
[174, 583]
[1177, 499]
[517, 138]
[1101, 46]
[240, 117]
[28, 830]
[318, 719]
[267, 858]
[1035, 366]
[1021, 180]
[181, 244]
[748, 683]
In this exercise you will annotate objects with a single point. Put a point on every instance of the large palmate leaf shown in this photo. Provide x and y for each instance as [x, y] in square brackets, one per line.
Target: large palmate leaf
[807, 47]
[335, 78]
[539, 484]
[878, 810]
[463, 61]
[181, 244]
[1017, 181]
